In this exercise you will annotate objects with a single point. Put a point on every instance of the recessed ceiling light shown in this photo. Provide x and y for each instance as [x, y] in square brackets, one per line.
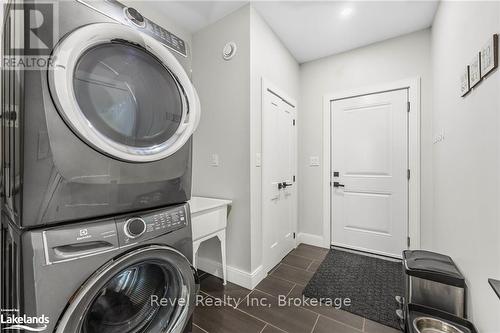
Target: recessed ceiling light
[346, 12]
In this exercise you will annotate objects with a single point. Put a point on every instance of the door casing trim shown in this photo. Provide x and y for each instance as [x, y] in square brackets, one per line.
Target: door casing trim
[414, 96]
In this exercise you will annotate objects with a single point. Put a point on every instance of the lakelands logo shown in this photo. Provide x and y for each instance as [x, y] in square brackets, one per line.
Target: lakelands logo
[24, 322]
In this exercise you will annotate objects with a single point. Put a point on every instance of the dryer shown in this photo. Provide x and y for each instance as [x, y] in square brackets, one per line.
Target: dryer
[106, 128]
[129, 273]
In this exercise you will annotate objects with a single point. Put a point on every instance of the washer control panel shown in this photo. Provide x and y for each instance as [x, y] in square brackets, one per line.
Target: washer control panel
[132, 229]
[92, 238]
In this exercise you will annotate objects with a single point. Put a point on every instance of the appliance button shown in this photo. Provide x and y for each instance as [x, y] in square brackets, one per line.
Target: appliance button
[135, 17]
[135, 227]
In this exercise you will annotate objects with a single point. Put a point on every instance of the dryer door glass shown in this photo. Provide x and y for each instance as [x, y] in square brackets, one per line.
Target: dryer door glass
[123, 93]
[127, 95]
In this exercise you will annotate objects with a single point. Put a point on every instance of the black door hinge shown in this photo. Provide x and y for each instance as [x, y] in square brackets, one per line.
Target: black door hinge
[408, 241]
[294, 235]
[409, 174]
[294, 178]
[294, 122]
[409, 107]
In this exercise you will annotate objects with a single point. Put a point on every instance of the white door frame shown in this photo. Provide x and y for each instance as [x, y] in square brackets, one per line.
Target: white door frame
[268, 85]
[413, 86]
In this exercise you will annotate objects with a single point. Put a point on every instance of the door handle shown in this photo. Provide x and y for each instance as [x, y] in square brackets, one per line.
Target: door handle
[77, 250]
[285, 184]
[337, 184]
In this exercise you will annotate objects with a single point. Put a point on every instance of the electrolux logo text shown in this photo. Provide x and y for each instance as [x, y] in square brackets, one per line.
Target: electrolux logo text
[13, 321]
[30, 33]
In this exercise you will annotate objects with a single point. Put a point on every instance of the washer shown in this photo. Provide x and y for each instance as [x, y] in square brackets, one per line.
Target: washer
[125, 274]
[106, 128]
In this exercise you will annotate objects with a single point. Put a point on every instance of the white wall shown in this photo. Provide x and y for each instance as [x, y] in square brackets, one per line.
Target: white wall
[272, 60]
[395, 59]
[230, 95]
[224, 90]
[466, 164]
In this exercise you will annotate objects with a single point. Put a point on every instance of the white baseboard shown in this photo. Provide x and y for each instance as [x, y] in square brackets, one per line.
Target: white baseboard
[311, 239]
[234, 275]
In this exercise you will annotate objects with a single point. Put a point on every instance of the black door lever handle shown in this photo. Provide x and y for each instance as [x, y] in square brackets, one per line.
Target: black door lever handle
[285, 184]
[337, 184]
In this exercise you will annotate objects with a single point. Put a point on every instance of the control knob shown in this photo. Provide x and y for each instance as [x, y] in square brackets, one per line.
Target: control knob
[135, 17]
[135, 227]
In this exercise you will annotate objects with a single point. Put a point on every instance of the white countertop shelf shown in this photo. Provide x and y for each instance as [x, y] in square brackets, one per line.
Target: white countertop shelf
[201, 204]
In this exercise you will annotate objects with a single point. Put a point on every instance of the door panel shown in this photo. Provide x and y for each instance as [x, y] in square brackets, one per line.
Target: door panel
[374, 217]
[367, 144]
[369, 151]
[278, 160]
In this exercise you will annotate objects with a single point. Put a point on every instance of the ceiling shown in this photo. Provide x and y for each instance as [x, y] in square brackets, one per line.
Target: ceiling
[191, 15]
[314, 29]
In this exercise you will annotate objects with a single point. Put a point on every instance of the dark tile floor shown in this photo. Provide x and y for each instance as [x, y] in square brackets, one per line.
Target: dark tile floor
[257, 311]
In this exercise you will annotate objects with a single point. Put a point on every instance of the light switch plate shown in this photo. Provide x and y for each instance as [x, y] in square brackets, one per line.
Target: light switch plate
[439, 137]
[214, 160]
[314, 161]
[258, 159]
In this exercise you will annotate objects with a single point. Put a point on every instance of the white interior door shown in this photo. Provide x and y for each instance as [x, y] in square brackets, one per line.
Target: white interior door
[370, 172]
[278, 181]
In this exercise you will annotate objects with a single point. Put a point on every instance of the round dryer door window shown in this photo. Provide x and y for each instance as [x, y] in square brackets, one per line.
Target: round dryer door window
[128, 95]
[151, 289]
[123, 93]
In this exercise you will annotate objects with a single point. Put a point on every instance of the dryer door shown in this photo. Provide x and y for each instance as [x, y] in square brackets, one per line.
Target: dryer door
[123, 93]
[152, 289]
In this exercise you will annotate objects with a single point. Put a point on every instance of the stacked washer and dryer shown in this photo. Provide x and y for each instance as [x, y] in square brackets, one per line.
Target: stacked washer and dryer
[96, 173]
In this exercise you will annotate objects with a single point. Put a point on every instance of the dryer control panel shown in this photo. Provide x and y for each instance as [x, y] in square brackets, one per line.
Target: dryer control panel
[133, 18]
[137, 227]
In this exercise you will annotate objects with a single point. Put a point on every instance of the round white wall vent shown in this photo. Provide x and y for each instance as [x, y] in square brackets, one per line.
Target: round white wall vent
[229, 50]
